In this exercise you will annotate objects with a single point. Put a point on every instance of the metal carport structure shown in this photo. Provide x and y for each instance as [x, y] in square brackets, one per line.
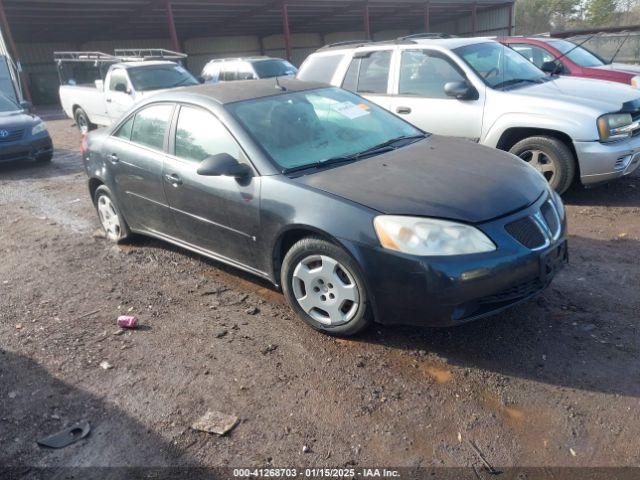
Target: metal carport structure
[30, 25]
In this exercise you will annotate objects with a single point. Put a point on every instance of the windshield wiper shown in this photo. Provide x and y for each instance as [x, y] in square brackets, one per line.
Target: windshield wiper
[515, 81]
[384, 147]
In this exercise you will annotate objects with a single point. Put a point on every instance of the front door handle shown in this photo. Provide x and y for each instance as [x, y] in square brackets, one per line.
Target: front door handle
[108, 100]
[174, 179]
[403, 110]
[113, 158]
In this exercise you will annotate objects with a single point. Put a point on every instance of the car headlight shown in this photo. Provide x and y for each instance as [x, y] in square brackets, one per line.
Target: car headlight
[616, 126]
[38, 128]
[427, 236]
[635, 81]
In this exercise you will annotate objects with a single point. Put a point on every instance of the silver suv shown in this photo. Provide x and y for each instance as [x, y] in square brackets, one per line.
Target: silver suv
[481, 90]
[253, 68]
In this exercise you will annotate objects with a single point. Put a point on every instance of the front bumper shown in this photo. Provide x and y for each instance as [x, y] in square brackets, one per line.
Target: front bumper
[26, 149]
[448, 291]
[603, 162]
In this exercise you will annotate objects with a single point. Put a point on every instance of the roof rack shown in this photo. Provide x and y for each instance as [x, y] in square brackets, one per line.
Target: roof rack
[427, 36]
[97, 57]
[345, 43]
[137, 54]
[120, 55]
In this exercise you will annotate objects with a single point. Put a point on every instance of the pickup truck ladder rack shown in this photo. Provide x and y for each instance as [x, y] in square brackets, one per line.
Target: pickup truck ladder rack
[96, 57]
[137, 54]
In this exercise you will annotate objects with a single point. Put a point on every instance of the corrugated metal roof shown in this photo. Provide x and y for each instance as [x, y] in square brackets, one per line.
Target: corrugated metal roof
[83, 20]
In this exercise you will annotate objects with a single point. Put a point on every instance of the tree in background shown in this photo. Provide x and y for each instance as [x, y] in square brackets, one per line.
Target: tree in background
[540, 16]
[601, 12]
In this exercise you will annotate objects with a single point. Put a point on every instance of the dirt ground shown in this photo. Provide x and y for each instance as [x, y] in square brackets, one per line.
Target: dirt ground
[554, 382]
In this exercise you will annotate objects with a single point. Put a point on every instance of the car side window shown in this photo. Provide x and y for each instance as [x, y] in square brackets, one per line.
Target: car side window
[124, 131]
[245, 72]
[229, 73]
[533, 53]
[199, 134]
[118, 81]
[150, 126]
[369, 74]
[424, 74]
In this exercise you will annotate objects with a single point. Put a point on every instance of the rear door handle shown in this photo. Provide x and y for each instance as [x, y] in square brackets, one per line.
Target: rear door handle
[113, 158]
[174, 179]
[403, 110]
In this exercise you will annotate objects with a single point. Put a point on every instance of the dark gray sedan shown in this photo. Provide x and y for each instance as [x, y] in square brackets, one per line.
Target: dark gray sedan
[356, 214]
[23, 136]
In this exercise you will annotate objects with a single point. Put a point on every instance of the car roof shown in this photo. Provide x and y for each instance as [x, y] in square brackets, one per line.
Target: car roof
[230, 92]
[447, 43]
[244, 59]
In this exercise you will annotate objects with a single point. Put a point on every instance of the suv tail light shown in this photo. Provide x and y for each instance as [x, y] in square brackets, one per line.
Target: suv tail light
[83, 146]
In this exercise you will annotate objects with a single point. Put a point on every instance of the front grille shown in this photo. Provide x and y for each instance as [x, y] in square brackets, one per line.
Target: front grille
[11, 136]
[550, 216]
[514, 293]
[527, 232]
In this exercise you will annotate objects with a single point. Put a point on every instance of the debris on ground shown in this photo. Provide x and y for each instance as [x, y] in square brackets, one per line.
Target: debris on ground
[221, 333]
[269, 348]
[483, 459]
[128, 321]
[105, 365]
[216, 422]
[66, 437]
[252, 311]
[306, 449]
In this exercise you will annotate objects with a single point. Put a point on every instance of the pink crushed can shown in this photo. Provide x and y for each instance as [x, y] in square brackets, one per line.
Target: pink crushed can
[127, 321]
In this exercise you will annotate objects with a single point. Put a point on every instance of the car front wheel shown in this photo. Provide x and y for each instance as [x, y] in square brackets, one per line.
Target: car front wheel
[551, 157]
[114, 225]
[325, 288]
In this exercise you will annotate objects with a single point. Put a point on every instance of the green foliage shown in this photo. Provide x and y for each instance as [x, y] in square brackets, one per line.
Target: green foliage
[601, 12]
[539, 16]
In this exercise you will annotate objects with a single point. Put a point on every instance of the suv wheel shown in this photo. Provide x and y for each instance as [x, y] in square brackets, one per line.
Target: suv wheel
[549, 156]
[325, 288]
[114, 225]
[82, 121]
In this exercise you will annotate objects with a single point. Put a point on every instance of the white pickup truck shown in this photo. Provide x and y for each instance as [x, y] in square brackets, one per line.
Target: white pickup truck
[103, 101]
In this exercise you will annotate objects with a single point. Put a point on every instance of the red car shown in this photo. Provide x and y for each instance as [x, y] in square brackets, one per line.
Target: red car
[577, 60]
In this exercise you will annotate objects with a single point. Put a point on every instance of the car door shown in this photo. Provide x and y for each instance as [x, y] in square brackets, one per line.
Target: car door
[538, 56]
[419, 94]
[118, 94]
[368, 75]
[217, 214]
[136, 152]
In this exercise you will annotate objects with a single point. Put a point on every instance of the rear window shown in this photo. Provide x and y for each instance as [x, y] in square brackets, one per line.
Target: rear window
[320, 68]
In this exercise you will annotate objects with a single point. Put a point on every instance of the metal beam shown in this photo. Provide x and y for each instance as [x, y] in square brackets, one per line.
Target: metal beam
[14, 52]
[510, 19]
[474, 18]
[286, 31]
[427, 17]
[175, 43]
[367, 22]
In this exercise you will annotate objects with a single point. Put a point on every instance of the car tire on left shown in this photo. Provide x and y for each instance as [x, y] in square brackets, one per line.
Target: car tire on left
[111, 219]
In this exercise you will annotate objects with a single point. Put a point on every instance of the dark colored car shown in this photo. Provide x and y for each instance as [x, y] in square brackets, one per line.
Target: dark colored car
[562, 57]
[23, 136]
[356, 214]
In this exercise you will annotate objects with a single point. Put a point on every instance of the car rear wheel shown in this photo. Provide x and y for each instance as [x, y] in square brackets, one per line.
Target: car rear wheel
[112, 221]
[82, 121]
[551, 157]
[325, 288]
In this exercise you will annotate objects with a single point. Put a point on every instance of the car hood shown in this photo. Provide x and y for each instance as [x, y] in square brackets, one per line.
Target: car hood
[17, 119]
[585, 92]
[437, 177]
[619, 67]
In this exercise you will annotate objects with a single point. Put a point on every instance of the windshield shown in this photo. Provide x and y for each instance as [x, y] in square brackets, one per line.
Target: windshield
[500, 66]
[8, 105]
[274, 68]
[579, 55]
[158, 77]
[305, 128]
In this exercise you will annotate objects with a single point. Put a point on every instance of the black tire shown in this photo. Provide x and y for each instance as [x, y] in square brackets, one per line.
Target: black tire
[311, 246]
[82, 121]
[123, 232]
[555, 151]
[45, 158]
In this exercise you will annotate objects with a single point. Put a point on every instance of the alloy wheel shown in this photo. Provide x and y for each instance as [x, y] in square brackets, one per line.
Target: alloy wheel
[325, 290]
[541, 162]
[109, 218]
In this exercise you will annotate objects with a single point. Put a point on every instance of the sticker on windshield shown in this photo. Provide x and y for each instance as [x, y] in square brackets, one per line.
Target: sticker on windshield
[351, 110]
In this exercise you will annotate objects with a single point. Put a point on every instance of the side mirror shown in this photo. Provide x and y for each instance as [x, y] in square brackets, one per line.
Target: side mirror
[122, 88]
[26, 106]
[460, 90]
[223, 164]
[550, 67]
[200, 79]
[99, 85]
